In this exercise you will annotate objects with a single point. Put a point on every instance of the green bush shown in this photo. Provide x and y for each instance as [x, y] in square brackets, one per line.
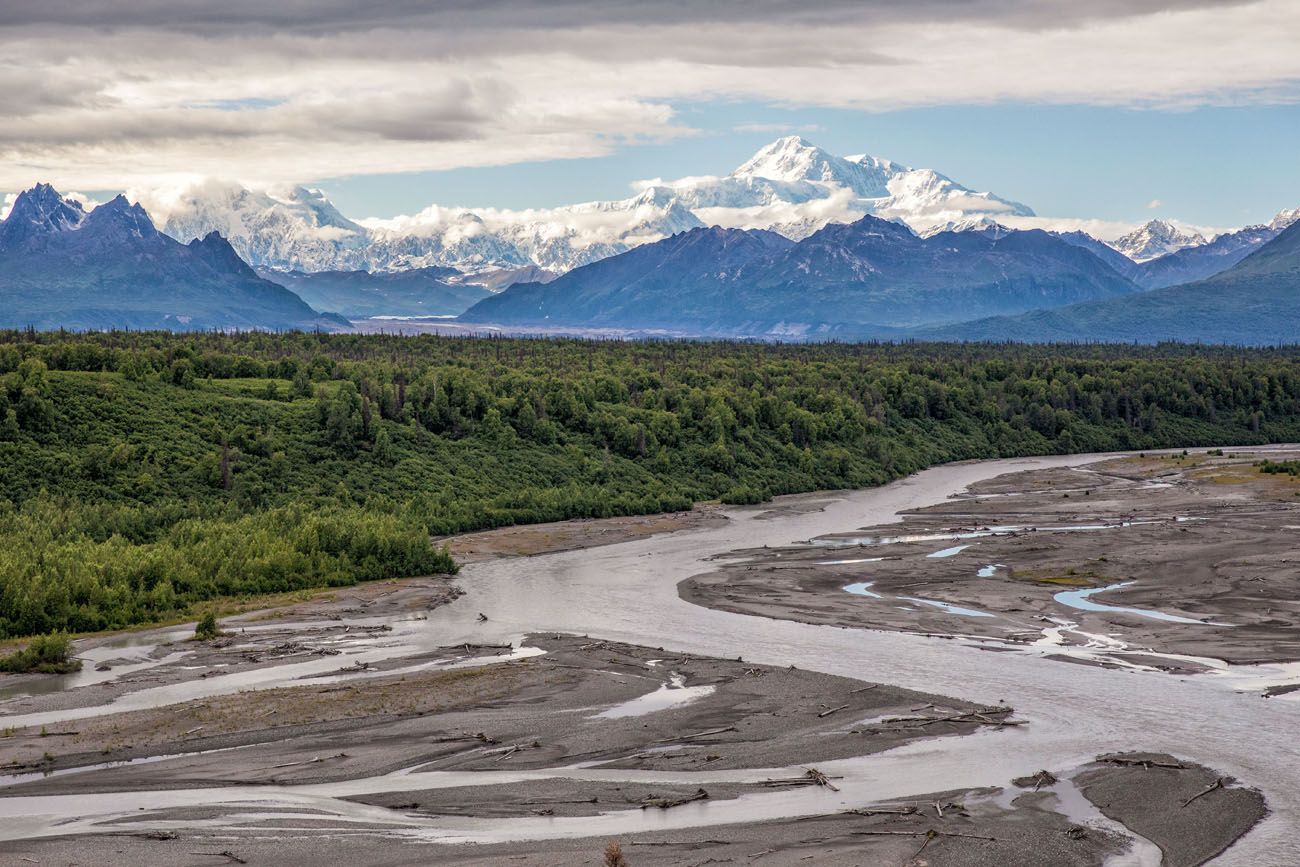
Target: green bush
[744, 495]
[46, 654]
[206, 629]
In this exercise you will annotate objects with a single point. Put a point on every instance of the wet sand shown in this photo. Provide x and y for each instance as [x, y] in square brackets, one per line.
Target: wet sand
[1202, 548]
[529, 540]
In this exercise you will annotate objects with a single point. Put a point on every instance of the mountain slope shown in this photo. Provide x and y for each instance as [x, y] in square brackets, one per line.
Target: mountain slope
[1257, 301]
[63, 268]
[864, 278]
[661, 285]
[359, 294]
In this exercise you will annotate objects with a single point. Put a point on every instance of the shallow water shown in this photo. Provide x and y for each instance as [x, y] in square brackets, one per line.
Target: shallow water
[1081, 600]
[675, 693]
[947, 606]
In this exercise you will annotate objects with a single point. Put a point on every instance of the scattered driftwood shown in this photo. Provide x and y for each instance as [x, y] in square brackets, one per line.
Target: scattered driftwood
[666, 803]
[1036, 781]
[986, 717]
[703, 734]
[149, 835]
[1148, 764]
[469, 648]
[901, 811]
[678, 843]
[225, 853]
[863, 689]
[313, 761]
[811, 777]
[827, 713]
[1217, 784]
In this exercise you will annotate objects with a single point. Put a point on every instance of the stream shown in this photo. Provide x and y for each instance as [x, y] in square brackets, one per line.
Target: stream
[628, 592]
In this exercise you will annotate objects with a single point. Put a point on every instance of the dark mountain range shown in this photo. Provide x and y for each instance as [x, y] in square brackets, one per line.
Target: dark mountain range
[360, 294]
[677, 280]
[867, 277]
[61, 267]
[1105, 252]
[1257, 301]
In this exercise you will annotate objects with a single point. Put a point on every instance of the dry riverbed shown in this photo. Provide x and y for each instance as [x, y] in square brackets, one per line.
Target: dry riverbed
[347, 735]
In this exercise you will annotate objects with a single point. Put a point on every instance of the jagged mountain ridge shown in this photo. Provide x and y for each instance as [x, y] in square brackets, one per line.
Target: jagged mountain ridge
[846, 278]
[1256, 301]
[61, 267]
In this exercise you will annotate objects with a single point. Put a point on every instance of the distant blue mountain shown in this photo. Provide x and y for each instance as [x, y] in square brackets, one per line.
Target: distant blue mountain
[359, 294]
[1256, 301]
[870, 277]
[1204, 260]
[61, 267]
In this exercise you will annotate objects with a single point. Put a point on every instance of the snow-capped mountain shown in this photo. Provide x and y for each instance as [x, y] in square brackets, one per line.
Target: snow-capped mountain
[1157, 238]
[790, 186]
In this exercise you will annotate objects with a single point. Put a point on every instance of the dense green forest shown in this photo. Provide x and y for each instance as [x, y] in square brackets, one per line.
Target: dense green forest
[142, 473]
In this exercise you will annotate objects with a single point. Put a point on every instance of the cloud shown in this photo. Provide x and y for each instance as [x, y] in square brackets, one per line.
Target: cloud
[134, 92]
[1154, 203]
[778, 128]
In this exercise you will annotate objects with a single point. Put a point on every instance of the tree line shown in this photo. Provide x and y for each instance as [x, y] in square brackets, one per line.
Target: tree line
[142, 474]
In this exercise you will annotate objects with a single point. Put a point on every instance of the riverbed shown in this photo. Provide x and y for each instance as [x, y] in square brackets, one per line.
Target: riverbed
[628, 592]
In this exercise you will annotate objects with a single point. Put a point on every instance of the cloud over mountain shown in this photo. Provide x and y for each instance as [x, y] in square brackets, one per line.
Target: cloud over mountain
[138, 91]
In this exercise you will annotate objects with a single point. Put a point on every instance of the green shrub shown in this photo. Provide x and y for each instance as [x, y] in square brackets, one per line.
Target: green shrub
[206, 629]
[46, 654]
[744, 495]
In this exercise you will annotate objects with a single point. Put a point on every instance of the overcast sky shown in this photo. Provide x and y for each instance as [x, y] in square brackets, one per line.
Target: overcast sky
[1098, 108]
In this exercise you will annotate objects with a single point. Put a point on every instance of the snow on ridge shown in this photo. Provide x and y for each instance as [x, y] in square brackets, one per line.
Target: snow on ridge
[790, 186]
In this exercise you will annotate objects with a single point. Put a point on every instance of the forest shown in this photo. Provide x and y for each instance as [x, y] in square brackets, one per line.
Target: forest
[143, 474]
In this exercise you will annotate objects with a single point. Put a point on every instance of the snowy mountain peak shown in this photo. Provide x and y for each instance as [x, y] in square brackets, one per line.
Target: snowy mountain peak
[792, 158]
[790, 186]
[37, 212]
[1155, 239]
[1285, 219]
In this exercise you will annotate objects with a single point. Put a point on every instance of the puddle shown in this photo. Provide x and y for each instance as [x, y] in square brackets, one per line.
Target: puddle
[947, 552]
[863, 588]
[1071, 803]
[1080, 599]
[990, 570]
[848, 562]
[980, 533]
[672, 694]
[947, 606]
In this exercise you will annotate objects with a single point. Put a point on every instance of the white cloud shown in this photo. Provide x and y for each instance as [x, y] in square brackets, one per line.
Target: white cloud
[778, 128]
[268, 93]
[1154, 203]
[1107, 230]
